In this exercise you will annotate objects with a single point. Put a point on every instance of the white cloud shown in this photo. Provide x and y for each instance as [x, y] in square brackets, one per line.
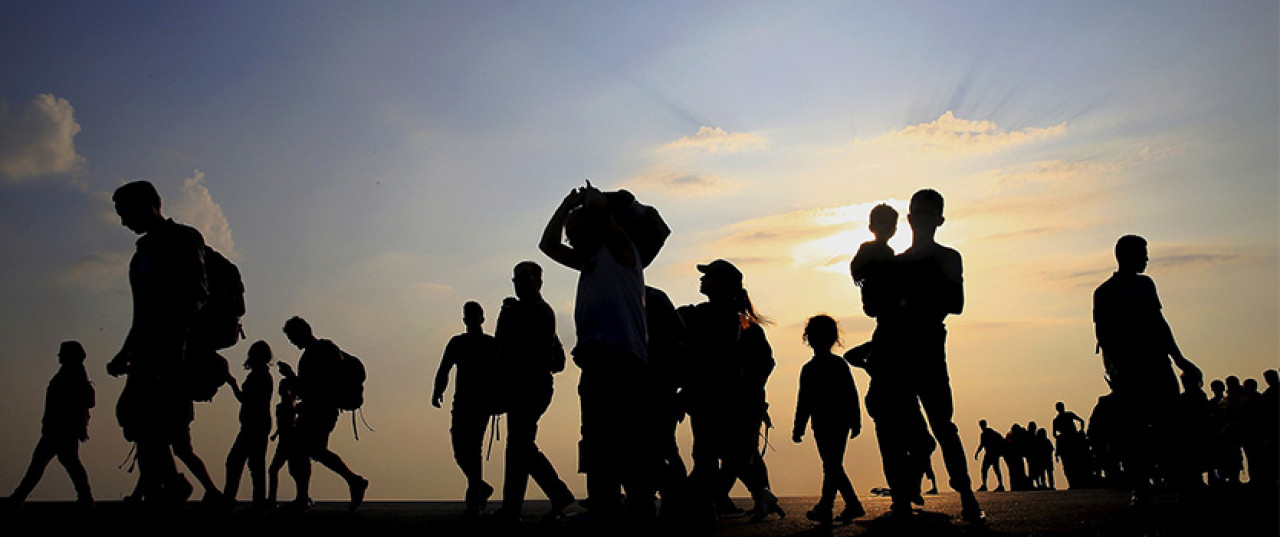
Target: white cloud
[956, 136]
[99, 271]
[195, 206]
[718, 140]
[38, 139]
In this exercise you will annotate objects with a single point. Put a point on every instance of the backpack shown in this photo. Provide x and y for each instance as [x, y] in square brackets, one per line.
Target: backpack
[347, 383]
[218, 326]
[203, 372]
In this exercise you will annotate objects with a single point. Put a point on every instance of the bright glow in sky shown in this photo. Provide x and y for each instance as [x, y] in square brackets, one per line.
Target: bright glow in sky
[372, 167]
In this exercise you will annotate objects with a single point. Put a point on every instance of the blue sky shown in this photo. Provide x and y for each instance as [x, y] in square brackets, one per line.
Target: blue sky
[373, 166]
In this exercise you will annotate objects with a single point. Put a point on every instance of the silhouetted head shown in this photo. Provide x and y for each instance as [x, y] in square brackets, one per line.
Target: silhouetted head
[286, 390]
[138, 205]
[472, 315]
[821, 333]
[1061, 407]
[925, 212]
[299, 332]
[719, 279]
[884, 222]
[1218, 387]
[585, 227]
[1131, 254]
[70, 353]
[1233, 383]
[526, 277]
[259, 355]
[1250, 385]
[1042, 434]
[982, 424]
[1272, 377]
[1016, 428]
[1031, 426]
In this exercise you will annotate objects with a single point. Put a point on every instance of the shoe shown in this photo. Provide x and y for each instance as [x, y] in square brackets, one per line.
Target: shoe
[1000, 488]
[899, 511]
[918, 500]
[358, 487]
[933, 490]
[820, 514]
[982, 488]
[558, 505]
[298, 505]
[970, 511]
[214, 498]
[177, 491]
[850, 512]
[766, 505]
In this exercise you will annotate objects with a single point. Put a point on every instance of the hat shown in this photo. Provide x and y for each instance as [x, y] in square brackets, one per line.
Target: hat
[721, 269]
[71, 350]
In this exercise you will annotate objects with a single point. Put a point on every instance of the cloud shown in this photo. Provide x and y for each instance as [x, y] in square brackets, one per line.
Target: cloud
[823, 239]
[956, 136]
[196, 207]
[1102, 265]
[683, 185]
[38, 139]
[98, 271]
[717, 140]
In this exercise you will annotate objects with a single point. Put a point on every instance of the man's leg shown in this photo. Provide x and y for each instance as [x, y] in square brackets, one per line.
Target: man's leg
[467, 435]
[69, 456]
[44, 452]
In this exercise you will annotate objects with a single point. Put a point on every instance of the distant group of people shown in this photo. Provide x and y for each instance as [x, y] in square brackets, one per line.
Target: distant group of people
[645, 366]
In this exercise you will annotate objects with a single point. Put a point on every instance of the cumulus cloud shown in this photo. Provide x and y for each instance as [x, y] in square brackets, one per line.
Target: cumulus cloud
[195, 206]
[718, 140]
[38, 139]
[952, 135]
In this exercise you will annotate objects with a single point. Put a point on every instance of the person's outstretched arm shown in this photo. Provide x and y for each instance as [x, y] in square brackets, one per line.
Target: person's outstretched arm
[552, 243]
[442, 375]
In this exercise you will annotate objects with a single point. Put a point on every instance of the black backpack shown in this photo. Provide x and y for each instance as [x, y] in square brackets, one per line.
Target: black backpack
[348, 383]
[218, 326]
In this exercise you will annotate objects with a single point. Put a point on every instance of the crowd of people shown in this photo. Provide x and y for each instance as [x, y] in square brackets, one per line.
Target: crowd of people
[647, 365]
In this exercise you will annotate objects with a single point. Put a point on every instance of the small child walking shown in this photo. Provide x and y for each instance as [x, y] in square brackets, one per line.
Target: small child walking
[829, 398]
[255, 424]
[286, 433]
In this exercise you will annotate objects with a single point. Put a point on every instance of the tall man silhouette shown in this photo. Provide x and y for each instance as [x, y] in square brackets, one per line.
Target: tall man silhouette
[168, 283]
[930, 286]
[529, 353]
[1137, 345]
[474, 353]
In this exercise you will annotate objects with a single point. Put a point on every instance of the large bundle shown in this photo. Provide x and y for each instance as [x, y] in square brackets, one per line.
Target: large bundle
[218, 326]
[642, 223]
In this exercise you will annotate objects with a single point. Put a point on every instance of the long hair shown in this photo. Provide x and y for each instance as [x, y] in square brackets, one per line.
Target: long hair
[747, 314]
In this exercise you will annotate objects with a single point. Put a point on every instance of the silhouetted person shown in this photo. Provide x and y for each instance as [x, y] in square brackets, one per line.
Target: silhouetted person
[990, 441]
[1137, 345]
[1072, 447]
[250, 445]
[64, 426]
[1250, 438]
[286, 435]
[730, 361]
[617, 383]
[666, 340]
[475, 354]
[529, 353]
[1015, 454]
[929, 287]
[317, 413]
[871, 264]
[168, 283]
[1194, 432]
[1042, 460]
[829, 398]
[1268, 423]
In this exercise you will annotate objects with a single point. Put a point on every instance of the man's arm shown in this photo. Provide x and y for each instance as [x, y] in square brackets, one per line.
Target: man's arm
[552, 243]
[442, 374]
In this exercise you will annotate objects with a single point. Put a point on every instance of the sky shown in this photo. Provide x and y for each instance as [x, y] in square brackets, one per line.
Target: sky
[372, 166]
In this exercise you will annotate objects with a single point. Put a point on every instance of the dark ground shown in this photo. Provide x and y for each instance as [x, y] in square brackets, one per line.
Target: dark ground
[1040, 514]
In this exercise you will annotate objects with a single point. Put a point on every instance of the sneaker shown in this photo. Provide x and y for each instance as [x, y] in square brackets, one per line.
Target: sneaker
[766, 504]
[358, 487]
[1000, 488]
[850, 512]
[982, 488]
[820, 514]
